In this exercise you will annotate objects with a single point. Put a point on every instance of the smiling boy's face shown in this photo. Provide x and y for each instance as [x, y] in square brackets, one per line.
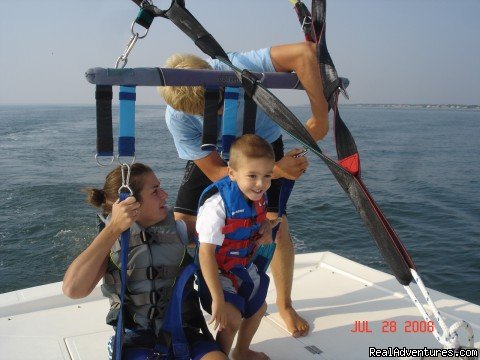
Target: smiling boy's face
[253, 176]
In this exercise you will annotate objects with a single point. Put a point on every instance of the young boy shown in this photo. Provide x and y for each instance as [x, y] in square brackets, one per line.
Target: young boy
[231, 217]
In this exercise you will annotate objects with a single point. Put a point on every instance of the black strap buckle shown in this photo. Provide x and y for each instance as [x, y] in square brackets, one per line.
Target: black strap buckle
[145, 237]
[152, 313]
[152, 273]
[249, 82]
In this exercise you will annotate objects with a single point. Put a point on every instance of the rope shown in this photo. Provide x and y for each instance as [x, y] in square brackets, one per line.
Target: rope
[449, 337]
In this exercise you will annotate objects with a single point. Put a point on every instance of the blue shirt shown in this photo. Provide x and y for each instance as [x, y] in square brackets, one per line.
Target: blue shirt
[187, 129]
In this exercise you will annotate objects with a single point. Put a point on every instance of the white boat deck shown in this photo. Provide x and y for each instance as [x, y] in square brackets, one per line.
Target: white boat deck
[331, 292]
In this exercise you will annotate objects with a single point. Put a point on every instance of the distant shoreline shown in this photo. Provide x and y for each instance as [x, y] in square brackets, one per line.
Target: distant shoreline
[421, 106]
[410, 106]
[372, 105]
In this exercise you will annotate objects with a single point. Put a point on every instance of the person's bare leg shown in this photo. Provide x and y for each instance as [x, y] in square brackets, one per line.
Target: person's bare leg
[282, 270]
[225, 337]
[247, 330]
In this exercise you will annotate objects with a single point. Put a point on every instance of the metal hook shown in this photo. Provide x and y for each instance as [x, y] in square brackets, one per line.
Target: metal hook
[124, 56]
[125, 179]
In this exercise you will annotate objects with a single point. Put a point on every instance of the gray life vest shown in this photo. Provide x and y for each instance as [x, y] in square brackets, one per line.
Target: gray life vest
[156, 257]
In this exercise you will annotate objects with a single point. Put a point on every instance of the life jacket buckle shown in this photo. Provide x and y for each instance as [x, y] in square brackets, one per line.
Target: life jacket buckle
[152, 273]
[152, 312]
[145, 237]
[161, 296]
[154, 296]
[248, 222]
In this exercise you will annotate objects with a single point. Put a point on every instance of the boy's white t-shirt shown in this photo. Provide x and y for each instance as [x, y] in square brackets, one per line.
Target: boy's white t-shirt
[210, 221]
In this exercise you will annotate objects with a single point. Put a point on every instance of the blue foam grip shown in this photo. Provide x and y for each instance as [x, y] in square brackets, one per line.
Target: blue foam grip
[126, 146]
[126, 126]
[227, 141]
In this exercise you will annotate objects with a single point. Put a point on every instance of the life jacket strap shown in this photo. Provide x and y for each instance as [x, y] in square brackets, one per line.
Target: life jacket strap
[153, 297]
[234, 253]
[233, 224]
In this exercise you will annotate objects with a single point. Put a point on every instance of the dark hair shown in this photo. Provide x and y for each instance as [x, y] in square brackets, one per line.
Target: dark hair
[105, 197]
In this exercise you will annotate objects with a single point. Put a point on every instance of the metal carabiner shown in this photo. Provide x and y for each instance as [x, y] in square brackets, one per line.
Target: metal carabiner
[124, 56]
[125, 179]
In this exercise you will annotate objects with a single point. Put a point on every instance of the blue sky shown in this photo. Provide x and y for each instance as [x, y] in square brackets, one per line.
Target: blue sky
[424, 51]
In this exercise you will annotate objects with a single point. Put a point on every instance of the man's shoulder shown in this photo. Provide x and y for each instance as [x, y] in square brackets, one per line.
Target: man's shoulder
[170, 113]
[173, 116]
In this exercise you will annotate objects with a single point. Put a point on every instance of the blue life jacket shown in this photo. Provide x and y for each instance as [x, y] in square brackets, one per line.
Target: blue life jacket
[243, 220]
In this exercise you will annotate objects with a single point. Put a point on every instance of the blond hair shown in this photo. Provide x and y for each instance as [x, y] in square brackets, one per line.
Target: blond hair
[249, 146]
[189, 99]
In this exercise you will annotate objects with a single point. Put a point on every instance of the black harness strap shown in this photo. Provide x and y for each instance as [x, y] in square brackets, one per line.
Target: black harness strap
[249, 114]
[382, 232]
[103, 98]
[210, 119]
[184, 20]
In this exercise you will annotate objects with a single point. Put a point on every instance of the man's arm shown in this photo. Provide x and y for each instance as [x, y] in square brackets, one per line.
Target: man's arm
[89, 267]
[301, 58]
[212, 166]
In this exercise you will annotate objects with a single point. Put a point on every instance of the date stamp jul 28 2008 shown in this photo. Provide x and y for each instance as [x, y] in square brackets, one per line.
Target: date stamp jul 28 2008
[392, 326]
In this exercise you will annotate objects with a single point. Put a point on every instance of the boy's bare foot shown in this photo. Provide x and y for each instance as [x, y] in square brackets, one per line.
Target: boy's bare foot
[296, 325]
[248, 355]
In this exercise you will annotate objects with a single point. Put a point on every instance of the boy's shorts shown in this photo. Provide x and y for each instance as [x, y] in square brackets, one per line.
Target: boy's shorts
[247, 296]
[195, 181]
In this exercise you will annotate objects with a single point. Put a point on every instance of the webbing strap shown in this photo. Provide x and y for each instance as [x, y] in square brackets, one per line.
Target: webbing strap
[184, 20]
[172, 320]
[264, 253]
[385, 237]
[305, 19]
[144, 18]
[120, 328]
[210, 119]
[249, 114]
[103, 99]
[229, 119]
[126, 124]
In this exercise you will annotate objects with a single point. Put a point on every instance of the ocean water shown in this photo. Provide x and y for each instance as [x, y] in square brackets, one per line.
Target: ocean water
[421, 166]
